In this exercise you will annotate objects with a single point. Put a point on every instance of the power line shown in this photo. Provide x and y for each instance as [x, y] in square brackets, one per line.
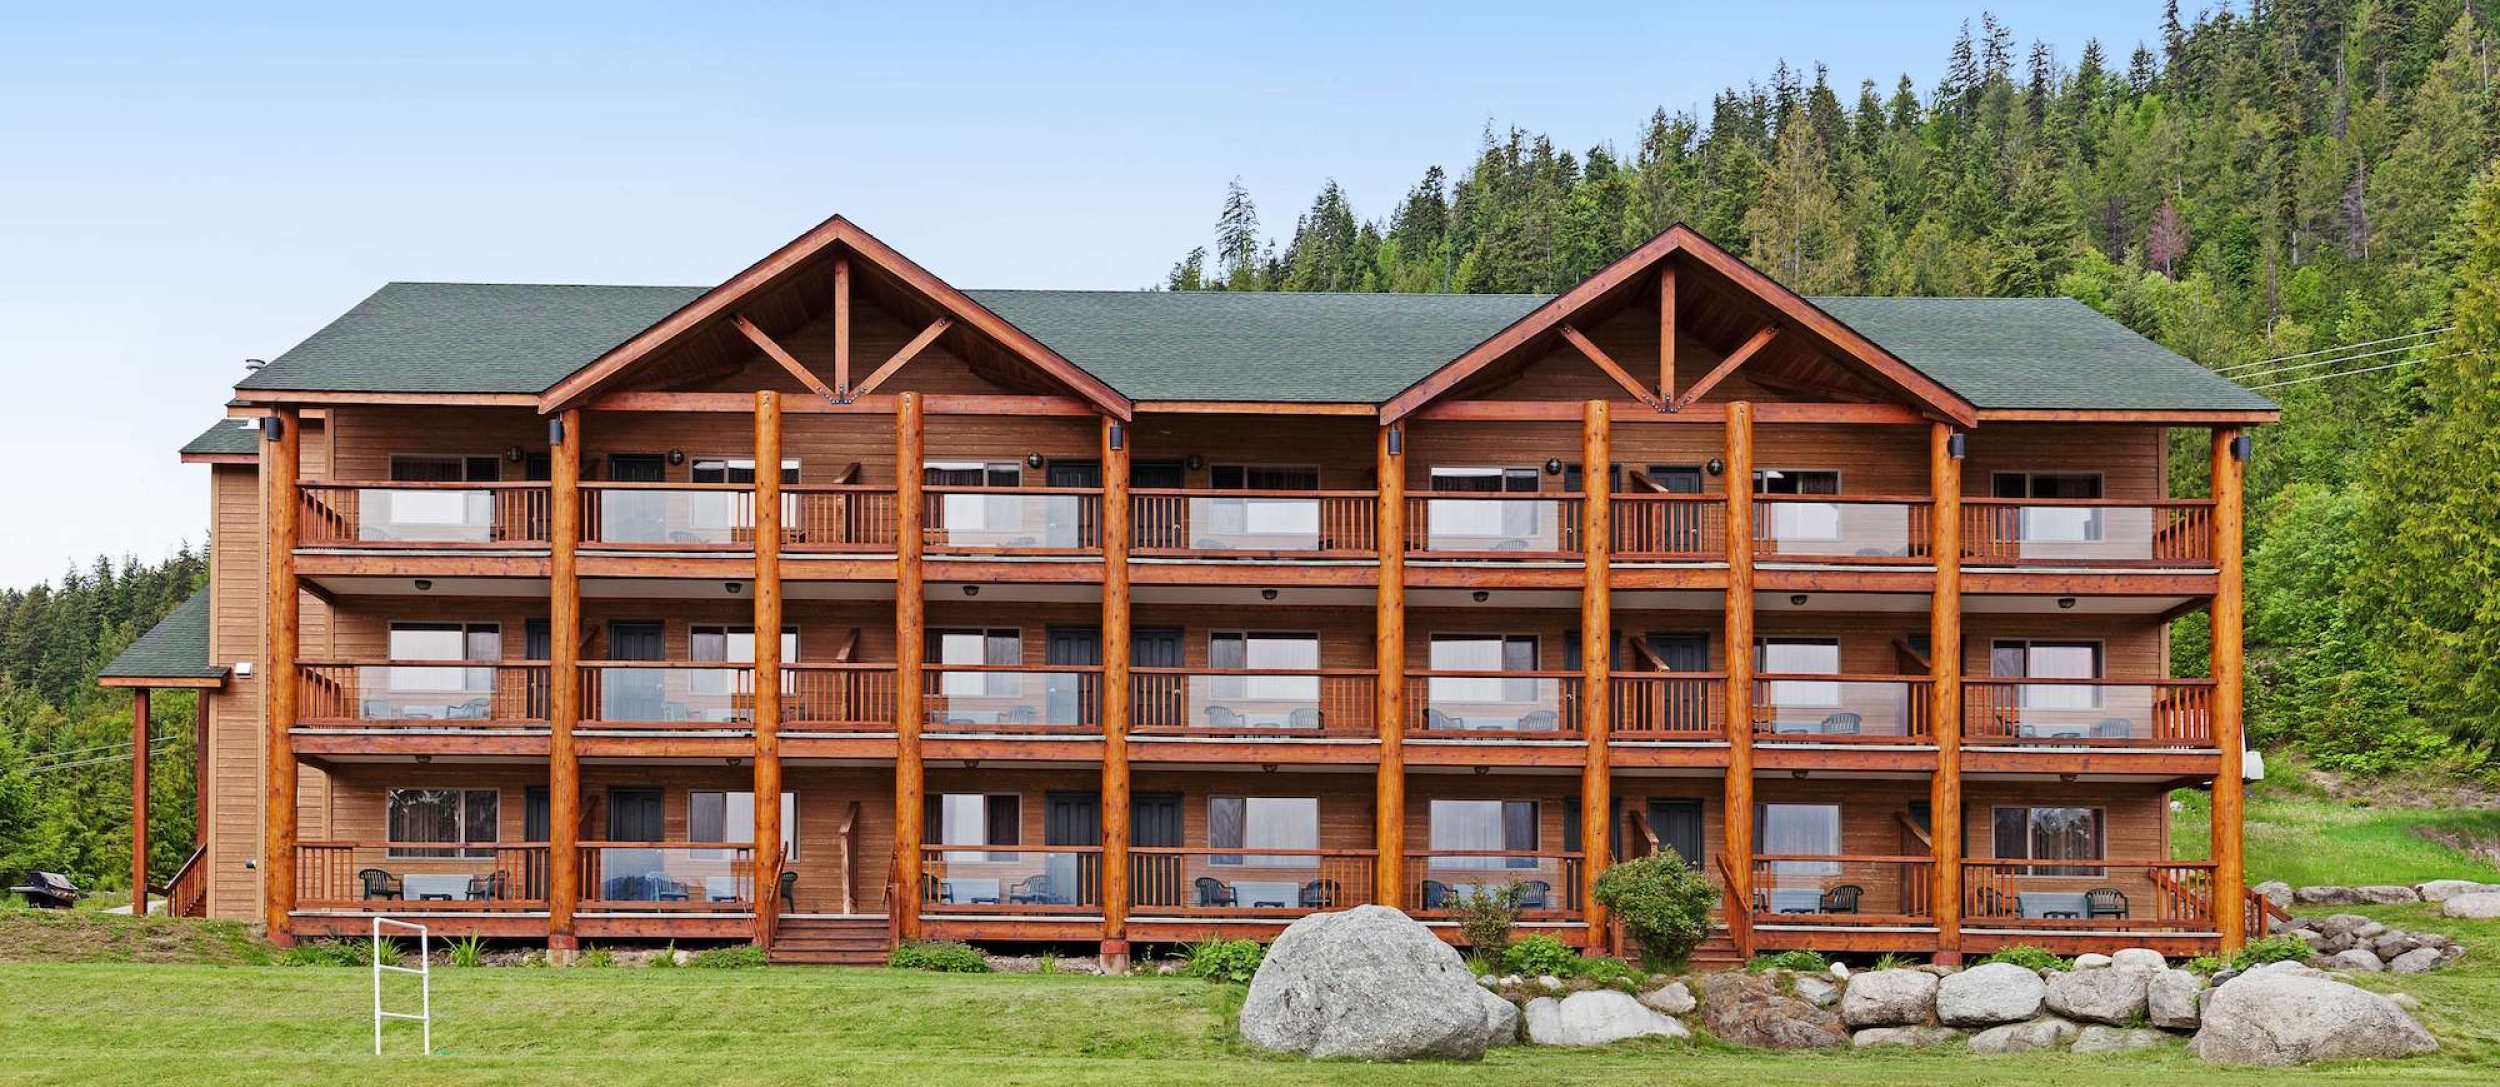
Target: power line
[2357, 373]
[2330, 350]
[156, 748]
[2336, 361]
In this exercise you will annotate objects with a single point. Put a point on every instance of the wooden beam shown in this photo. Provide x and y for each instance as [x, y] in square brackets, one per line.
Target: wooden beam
[841, 328]
[782, 358]
[139, 805]
[2095, 415]
[1666, 330]
[1737, 810]
[281, 468]
[564, 681]
[201, 683]
[1596, 644]
[1606, 363]
[767, 709]
[1944, 640]
[2228, 619]
[931, 404]
[902, 357]
[1389, 657]
[1252, 407]
[1727, 366]
[1116, 693]
[909, 659]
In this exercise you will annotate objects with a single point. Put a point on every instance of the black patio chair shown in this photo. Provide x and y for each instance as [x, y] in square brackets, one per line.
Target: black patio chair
[1535, 894]
[789, 890]
[1215, 892]
[486, 888]
[1843, 899]
[1319, 894]
[1031, 891]
[2104, 902]
[1436, 894]
[380, 884]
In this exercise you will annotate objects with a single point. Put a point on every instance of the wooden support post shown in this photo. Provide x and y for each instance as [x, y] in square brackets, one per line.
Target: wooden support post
[564, 680]
[842, 328]
[1666, 331]
[767, 712]
[1596, 659]
[1737, 816]
[909, 657]
[2230, 790]
[139, 803]
[281, 469]
[1389, 661]
[1944, 654]
[1116, 694]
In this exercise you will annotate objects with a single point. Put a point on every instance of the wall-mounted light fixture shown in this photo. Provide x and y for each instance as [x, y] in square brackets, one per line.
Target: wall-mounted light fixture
[2243, 447]
[2066, 603]
[731, 587]
[1798, 774]
[1483, 770]
[2066, 778]
[555, 432]
[1480, 596]
[1716, 467]
[1032, 460]
[272, 428]
[677, 456]
[424, 585]
[1797, 600]
[513, 454]
[1267, 594]
[972, 764]
[1267, 768]
[1194, 462]
[1397, 440]
[423, 759]
[1955, 444]
[1119, 436]
[972, 590]
[1553, 466]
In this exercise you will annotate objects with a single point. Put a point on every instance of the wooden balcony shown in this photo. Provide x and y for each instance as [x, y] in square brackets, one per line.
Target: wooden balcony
[1251, 703]
[1011, 879]
[1799, 708]
[1253, 884]
[2088, 895]
[1440, 882]
[819, 696]
[423, 515]
[1013, 520]
[1843, 889]
[1853, 529]
[398, 877]
[1254, 524]
[1486, 526]
[2088, 712]
[668, 516]
[2087, 532]
[1655, 527]
[991, 698]
[1669, 706]
[833, 518]
[668, 877]
[422, 694]
[691, 696]
[1476, 705]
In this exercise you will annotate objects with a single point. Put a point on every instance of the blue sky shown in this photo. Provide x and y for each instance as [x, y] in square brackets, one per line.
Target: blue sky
[182, 188]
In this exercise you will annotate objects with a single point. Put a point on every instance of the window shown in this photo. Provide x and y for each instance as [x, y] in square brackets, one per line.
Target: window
[1484, 826]
[1267, 517]
[1483, 653]
[974, 513]
[446, 469]
[2014, 659]
[715, 816]
[1800, 657]
[1798, 830]
[1264, 651]
[973, 474]
[739, 470]
[976, 819]
[1801, 520]
[413, 693]
[1502, 521]
[419, 817]
[1000, 646]
[734, 645]
[2053, 524]
[1262, 822]
[1575, 478]
[1263, 477]
[2055, 834]
[429, 514]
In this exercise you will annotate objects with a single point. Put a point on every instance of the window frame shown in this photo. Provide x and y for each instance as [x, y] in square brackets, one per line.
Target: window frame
[992, 684]
[466, 461]
[2059, 867]
[730, 465]
[1502, 812]
[1279, 860]
[789, 818]
[1241, 686]
[2024, 693]
[1788, 527]
[396, 849]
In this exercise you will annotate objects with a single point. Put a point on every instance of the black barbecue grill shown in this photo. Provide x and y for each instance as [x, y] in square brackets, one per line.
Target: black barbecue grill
[48, 890]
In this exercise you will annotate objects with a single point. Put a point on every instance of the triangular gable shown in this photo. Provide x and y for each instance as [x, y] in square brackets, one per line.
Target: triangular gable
[719, 309]
[1792, 315]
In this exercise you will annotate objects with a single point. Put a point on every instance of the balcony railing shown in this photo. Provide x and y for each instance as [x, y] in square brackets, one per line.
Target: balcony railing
[2170, 712]
[669, 516]
[451, 694]
[423, 515]
[401, 876]
[1475, 525]
[1252, 524]
[1669, 705]
[1245, 702]
[1441, 881]
[837, 697]
[1843, 708]
[1670, 527]
[1014, 520]
[685, 877]
[1843, 888]
[2132, 896]
[828, 517]
[1011, 879]
[1493, 705]
[1837, 528]
[1247, 882]
[2087, 532]
[691, 695]
[1013, 698]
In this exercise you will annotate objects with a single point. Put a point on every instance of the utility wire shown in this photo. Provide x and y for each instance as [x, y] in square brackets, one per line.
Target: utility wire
[153, 749]
[2357, 373]
[2330, 350]
[2336, 361]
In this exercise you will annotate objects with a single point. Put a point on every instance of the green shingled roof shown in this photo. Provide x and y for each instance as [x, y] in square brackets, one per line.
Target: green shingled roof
[176, 648]
[1149, 345]
[228, 436]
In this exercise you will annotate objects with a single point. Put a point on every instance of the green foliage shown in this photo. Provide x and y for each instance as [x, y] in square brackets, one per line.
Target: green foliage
[940, 956]
[1893, 961]
[1661, 902]
[667, 958]
[597, 958]
[734, 957]
[468, 951]
[1800, 961]
[386, 952]
[1235, 961]
[1613, 973]
[1540, 955]
[2029, 958]
[2281, 947]
[328, 953]
[1486, 916]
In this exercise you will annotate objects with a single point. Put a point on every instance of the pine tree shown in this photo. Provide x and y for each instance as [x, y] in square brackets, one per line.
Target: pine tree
[1237, 239]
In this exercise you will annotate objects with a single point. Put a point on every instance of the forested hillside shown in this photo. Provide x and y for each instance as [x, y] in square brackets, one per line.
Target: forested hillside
[2279, 194]
[65, 743]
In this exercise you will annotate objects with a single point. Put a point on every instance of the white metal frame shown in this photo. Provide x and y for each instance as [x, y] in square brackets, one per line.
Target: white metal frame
[424, 970]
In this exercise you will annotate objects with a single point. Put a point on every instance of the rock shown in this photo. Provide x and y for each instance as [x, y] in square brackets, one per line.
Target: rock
[2046, 1032]
[2093, 960]
[1903, 1037]
[1673, 998]
[2102, 1039]
[1822, 991]
[2474, 906]
[2139, 958]
[2282, 1018]
[2370, 931]
[2430, 939]
[1750, 1010]
[2275, 891]
[2316, 940]
[2420, 960]
[1488, 981]
[2393, 944]
[1840, 970]
[2342, 924]
[2441, 890]
[2270, 969]
[1549, 983]
[2171, 999]
[1889, 998]
[2112, 996]
[2387, 894]
[2355, 959]
[1368, 983]
[2406, 1001]
[1501, 1020]
[1984, 996]
[1596, 1017]
[2326, 896]
[681, 958]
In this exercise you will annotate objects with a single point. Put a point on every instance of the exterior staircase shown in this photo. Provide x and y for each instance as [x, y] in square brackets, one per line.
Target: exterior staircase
[831, 941]
[1716, 953]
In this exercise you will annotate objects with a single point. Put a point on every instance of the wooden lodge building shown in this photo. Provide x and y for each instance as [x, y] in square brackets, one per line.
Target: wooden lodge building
[1136, 617]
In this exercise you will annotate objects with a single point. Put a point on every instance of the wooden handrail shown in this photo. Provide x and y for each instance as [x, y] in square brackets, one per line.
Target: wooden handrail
[420, 485]
[849, 837]
[1739, 912]
[663, 485]
[2017, 681]
[1250, 671]
[1207, 492]
[1638, 821]
[2095, 503]
[186, 894]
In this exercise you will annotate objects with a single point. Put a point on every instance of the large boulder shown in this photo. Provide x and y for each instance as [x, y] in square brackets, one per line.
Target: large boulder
[2172, 999]
[2106, 1039]
[1750, 1010]
[2275, 891]
[2287, 1017]
[2359, 960]
[2113, 995]
[1672, 998]
[1888, 998]
[2046, 1032]
[2137, 958]
[1596, 1017]
[2441, 890]
[1501, 1020]
[1819, 988]
[2420, 960]
[2327, 896]
[1903, 1037]
[1984, 996]
[2473, 906]
[2387, 894]
[1366, 983]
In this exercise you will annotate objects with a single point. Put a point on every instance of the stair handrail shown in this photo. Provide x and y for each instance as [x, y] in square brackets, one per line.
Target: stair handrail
[1739, 912]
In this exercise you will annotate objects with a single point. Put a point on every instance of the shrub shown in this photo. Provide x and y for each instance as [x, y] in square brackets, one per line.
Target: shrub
[1236, 961]
[1611, 973]
[327, 953]
[939, 956]
[1800, 961]
[667, 958]
[1486, 916]
[596, 958]
[386, 952]
[1893, 960]
[739, 957]
[468, 951]
[2029, 958]
[1662, 903]
[1539, 955]
[2282, 947]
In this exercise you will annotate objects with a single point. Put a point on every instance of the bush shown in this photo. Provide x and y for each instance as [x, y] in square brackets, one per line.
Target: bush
[1611, 973]
[1540, 955]
[667, 958]
[1236, 961]
[468, 951]
[1486, 917]
[2029, 958]
[327, 953]
[386, 952]
[2282, 947]
[1800, 961]
[596, 958]
[739, 957]
[939, 956]
[1662, 903]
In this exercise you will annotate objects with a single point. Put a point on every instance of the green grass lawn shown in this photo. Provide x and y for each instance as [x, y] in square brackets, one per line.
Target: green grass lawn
[2302, 836]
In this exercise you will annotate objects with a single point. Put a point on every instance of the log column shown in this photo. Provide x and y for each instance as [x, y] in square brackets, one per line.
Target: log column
[1116, 694]
[1596, 646]
[2230, 791]
[1737, 815]
[1944, 652]
[281, 468]
[1389, 662]
[767, 687]
[564, 680]
[139, 804]
[909, 653]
